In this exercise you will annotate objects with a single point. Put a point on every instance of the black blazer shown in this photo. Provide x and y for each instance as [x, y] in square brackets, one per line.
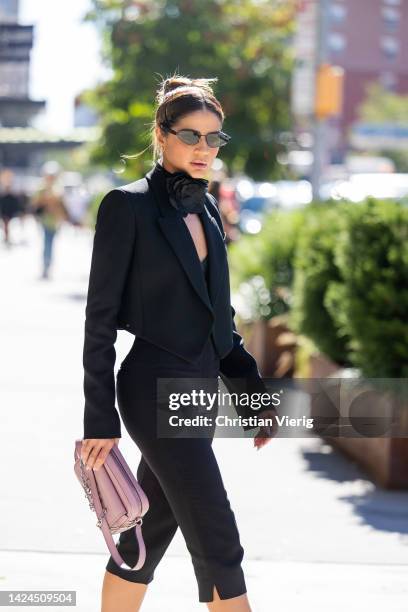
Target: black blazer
[146, 278]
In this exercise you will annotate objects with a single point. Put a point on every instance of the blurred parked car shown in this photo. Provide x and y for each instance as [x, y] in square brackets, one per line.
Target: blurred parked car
[359, 186]
[293, 194]
[258, 198]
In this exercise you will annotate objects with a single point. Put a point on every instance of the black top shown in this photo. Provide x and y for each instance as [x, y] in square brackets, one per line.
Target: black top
[204, 266]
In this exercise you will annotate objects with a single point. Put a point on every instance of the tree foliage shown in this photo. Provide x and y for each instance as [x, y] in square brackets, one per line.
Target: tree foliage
[383, 106]
[244, 43]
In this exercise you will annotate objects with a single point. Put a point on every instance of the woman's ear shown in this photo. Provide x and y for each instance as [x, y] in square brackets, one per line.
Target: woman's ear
[160, 136]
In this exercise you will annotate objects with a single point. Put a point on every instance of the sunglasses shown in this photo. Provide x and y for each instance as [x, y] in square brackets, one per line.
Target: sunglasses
[192, 137]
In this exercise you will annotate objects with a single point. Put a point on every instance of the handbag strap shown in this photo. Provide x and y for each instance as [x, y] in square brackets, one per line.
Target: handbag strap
[110, 542]
[114, 551]
[104, 526]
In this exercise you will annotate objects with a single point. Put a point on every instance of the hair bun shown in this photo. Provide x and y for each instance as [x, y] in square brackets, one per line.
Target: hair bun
[174, 82]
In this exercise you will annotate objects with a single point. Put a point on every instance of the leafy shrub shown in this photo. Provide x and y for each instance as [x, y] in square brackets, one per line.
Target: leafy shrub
[370, 303]
[340, 271]
[316, 271]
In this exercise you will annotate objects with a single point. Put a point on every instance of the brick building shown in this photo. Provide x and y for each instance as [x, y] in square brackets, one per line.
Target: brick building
[368, 38]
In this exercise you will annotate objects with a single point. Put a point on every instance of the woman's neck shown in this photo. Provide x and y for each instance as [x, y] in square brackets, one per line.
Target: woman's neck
[169, 167]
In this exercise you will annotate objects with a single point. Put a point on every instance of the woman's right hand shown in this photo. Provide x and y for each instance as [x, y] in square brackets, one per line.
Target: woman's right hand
[95, 450]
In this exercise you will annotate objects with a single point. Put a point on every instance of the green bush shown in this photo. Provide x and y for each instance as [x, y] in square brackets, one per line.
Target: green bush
[315, 273]
[268, 255]
[370, 303]
[340, 270]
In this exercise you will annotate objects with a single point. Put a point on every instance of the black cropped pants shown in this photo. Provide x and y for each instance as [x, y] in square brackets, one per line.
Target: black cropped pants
[181, 478]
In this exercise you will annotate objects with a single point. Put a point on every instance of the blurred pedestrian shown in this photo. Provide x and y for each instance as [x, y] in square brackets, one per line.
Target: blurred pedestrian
[48, 206]
[9, 203]
[224, 195]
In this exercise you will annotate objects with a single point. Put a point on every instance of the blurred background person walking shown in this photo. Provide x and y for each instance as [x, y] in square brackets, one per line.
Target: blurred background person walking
[49, 208]
[9, 203]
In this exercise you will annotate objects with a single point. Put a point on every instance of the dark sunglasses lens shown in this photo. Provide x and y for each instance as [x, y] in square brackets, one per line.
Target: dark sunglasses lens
[216, 140]
[188, 137]
[213, 140]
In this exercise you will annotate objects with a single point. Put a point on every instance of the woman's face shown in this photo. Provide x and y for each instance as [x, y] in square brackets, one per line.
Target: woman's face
[179, 156]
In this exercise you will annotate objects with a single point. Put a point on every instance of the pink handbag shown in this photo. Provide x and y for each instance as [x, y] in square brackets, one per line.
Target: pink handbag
[117, 499]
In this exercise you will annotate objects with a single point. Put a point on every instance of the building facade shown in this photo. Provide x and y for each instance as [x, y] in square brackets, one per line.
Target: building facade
[368, 39]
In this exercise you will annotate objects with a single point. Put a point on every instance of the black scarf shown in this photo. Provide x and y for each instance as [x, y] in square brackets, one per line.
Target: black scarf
[186, 193]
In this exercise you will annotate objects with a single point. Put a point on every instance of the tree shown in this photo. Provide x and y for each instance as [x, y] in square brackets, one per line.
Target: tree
[245, 43]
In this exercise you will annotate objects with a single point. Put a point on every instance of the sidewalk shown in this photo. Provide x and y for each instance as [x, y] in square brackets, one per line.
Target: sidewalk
[272, 585]
[319, 536]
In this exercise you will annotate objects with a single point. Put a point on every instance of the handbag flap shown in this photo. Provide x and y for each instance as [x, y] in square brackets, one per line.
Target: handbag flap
[115, 488]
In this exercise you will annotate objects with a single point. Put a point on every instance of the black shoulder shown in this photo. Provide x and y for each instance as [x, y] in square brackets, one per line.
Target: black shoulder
[114, 209]
[141, 186]
[125, 197]
[116, 197]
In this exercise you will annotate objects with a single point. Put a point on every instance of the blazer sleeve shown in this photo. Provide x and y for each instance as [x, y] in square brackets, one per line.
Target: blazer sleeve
[238, 369]
[239, 372]
[112, 248]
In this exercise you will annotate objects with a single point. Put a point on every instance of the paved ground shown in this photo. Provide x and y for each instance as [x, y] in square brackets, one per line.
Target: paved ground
[320, 536]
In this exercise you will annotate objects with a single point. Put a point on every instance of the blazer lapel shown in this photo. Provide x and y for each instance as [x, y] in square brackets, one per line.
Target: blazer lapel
[217, 258]
[178, 235]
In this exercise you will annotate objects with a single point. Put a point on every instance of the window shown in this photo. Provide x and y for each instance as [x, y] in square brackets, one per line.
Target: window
[337, 42]
[14, 79]
[390, 46]
[391, 17]
[338, 12]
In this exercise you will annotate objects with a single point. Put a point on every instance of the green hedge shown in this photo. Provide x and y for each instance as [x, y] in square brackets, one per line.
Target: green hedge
[315, 272]
[340, 270]
[370, 302]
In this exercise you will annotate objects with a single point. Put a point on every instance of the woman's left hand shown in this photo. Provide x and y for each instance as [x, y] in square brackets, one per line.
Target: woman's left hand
[266, 433]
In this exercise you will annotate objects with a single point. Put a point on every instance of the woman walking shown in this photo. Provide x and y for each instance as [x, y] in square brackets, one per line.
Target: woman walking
[49, 208]
[159, 270]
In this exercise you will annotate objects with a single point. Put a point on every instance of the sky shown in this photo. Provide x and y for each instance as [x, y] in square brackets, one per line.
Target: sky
[65, 58]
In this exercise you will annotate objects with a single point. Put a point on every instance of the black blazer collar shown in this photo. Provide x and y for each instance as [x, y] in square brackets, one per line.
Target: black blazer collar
[178, 235]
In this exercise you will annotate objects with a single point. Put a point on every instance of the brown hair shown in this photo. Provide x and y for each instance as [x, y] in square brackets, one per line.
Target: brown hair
[176, 97]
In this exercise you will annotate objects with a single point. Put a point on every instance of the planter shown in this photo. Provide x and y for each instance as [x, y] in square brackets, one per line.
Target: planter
[384, 458]
[273, 345]
[320, 366]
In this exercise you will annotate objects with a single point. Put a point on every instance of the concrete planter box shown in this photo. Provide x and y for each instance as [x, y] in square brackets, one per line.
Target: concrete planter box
[385, 459]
